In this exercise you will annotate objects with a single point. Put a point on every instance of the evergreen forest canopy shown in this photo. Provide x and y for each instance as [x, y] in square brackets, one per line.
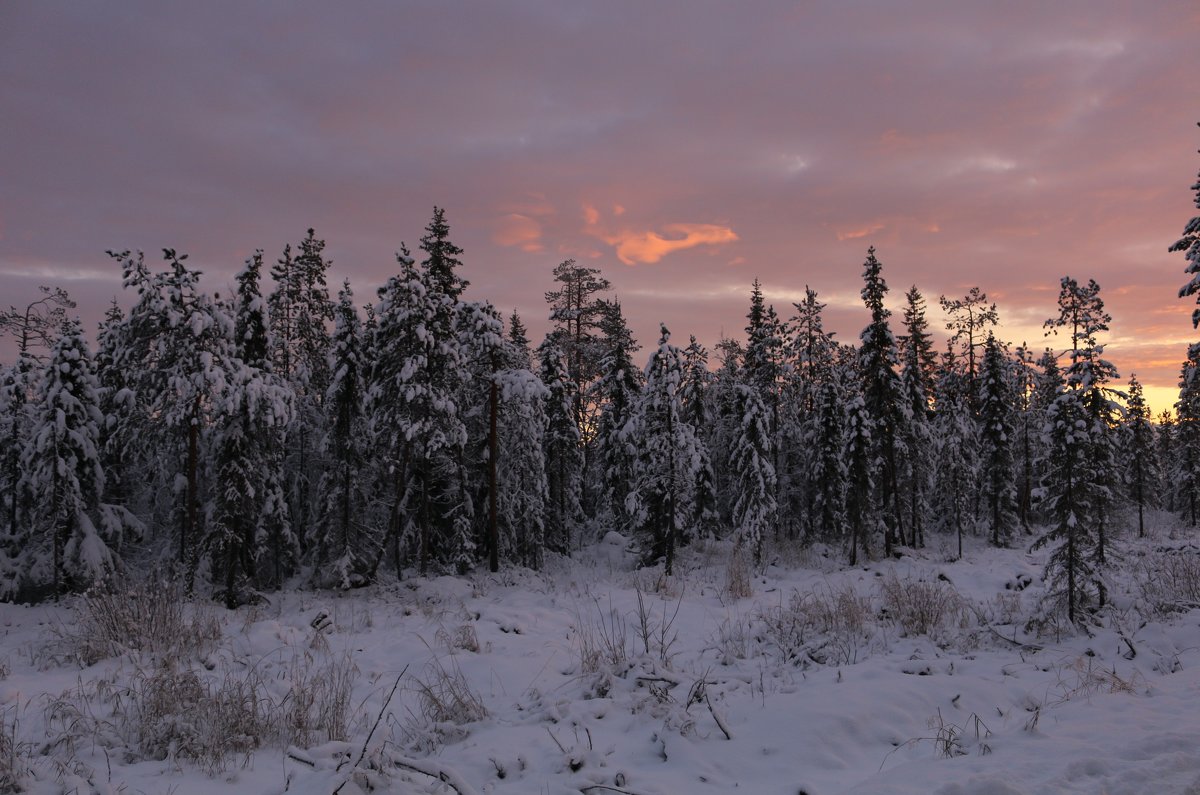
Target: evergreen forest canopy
[285, 434]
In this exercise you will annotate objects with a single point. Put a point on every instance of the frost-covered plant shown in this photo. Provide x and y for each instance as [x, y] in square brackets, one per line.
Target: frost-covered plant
[827, 627]
[445, 702]
[12, 762]
[317, 705]
[602, 643]
[919, 607]
[1169, 580]
[152, 618]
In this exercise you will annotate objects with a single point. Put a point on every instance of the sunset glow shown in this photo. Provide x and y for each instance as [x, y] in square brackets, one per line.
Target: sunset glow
[685, 150]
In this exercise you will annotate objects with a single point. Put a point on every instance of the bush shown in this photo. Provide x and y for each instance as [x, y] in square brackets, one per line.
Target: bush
[151, 618]
[1169, 579]
[919, 607]
[827, 627]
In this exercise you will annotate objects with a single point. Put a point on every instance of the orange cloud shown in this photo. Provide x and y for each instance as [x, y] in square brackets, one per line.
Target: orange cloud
[591, 216]
[516, 229]
[856, 234]
[649, 246]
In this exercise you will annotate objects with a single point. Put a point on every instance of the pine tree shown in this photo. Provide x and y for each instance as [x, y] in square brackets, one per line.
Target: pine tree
[1028, 421]
[250, 541]
[344, 449]
[1079, 481]
[300, 311]
[617, 390]
[956, 451]
[669, 454]
[563, 451]
[16, 388]
[417, 377]
[523, 483]
[883, 399]
[65, 476]
[916, 384]
[1188, 407]
[969, 318]
[861, 511]
[518, 339]
[1186, 438]
[441, 258]
[754, 474]
[995, 402]
[828, 473]
[178, 343]
[694, 393]
[33, 328]
[1140, 454]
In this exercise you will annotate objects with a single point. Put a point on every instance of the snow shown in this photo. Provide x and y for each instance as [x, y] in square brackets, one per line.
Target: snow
[596, 673]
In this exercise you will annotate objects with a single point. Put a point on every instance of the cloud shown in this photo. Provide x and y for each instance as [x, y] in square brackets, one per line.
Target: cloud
[520, 230]
[648, 246]
[859, 232]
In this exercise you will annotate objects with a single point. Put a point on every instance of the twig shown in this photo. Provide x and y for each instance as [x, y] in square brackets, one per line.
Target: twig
[374, 726]
[717, 717]
[1020, 644]
[606, 788]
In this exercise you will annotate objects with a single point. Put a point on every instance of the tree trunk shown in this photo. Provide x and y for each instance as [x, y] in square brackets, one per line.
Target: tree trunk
[493, 481]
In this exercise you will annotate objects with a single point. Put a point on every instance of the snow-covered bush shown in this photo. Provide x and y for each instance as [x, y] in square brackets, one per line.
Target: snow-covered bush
[602, 642]
[1169, 579]
[12, 762]
[316, 708]
[826, 627]
[445, 702]
[919, 607]
[151, 618]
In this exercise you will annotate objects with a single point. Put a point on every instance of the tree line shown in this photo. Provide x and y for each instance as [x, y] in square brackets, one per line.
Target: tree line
[267, 437]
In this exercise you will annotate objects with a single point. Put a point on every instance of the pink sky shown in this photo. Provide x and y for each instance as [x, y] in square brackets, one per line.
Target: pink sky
[683, 148]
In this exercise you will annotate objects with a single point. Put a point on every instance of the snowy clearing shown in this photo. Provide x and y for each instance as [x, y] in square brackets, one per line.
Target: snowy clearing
[910, 675]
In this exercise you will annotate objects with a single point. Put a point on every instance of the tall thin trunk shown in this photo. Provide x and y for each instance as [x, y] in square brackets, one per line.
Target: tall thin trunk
[493, 481]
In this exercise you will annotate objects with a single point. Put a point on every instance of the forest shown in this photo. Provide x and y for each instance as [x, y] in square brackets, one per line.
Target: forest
[285, 434]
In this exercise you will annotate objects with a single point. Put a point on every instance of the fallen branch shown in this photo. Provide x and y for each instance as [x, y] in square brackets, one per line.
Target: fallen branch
[446, 775]
[606, 788]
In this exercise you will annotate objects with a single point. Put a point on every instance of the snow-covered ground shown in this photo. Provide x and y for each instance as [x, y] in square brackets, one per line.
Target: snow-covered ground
[909, 675]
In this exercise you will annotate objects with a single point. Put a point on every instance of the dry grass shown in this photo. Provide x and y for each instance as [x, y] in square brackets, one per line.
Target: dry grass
[148, 619]
[1169, 580]
[826, 626]
[919, 607]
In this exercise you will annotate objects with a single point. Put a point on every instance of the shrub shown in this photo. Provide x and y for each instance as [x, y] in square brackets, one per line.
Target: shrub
[919, 607]
[151, 618]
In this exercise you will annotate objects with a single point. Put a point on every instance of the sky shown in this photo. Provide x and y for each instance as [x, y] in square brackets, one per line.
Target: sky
[683, 148]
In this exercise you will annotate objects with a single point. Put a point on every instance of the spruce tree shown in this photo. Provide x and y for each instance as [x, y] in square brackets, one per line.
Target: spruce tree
[828, 473]
[250, 541]
[995, 402]
[883, 400]
[754, 475]
[523, 484]
[344, 447]
[669, 454]
[916, 384]
[64, 548]
[1140, 454]
[696, 412]
[563, 450]
[442, 258]
[1080, 475]
[617, 391]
